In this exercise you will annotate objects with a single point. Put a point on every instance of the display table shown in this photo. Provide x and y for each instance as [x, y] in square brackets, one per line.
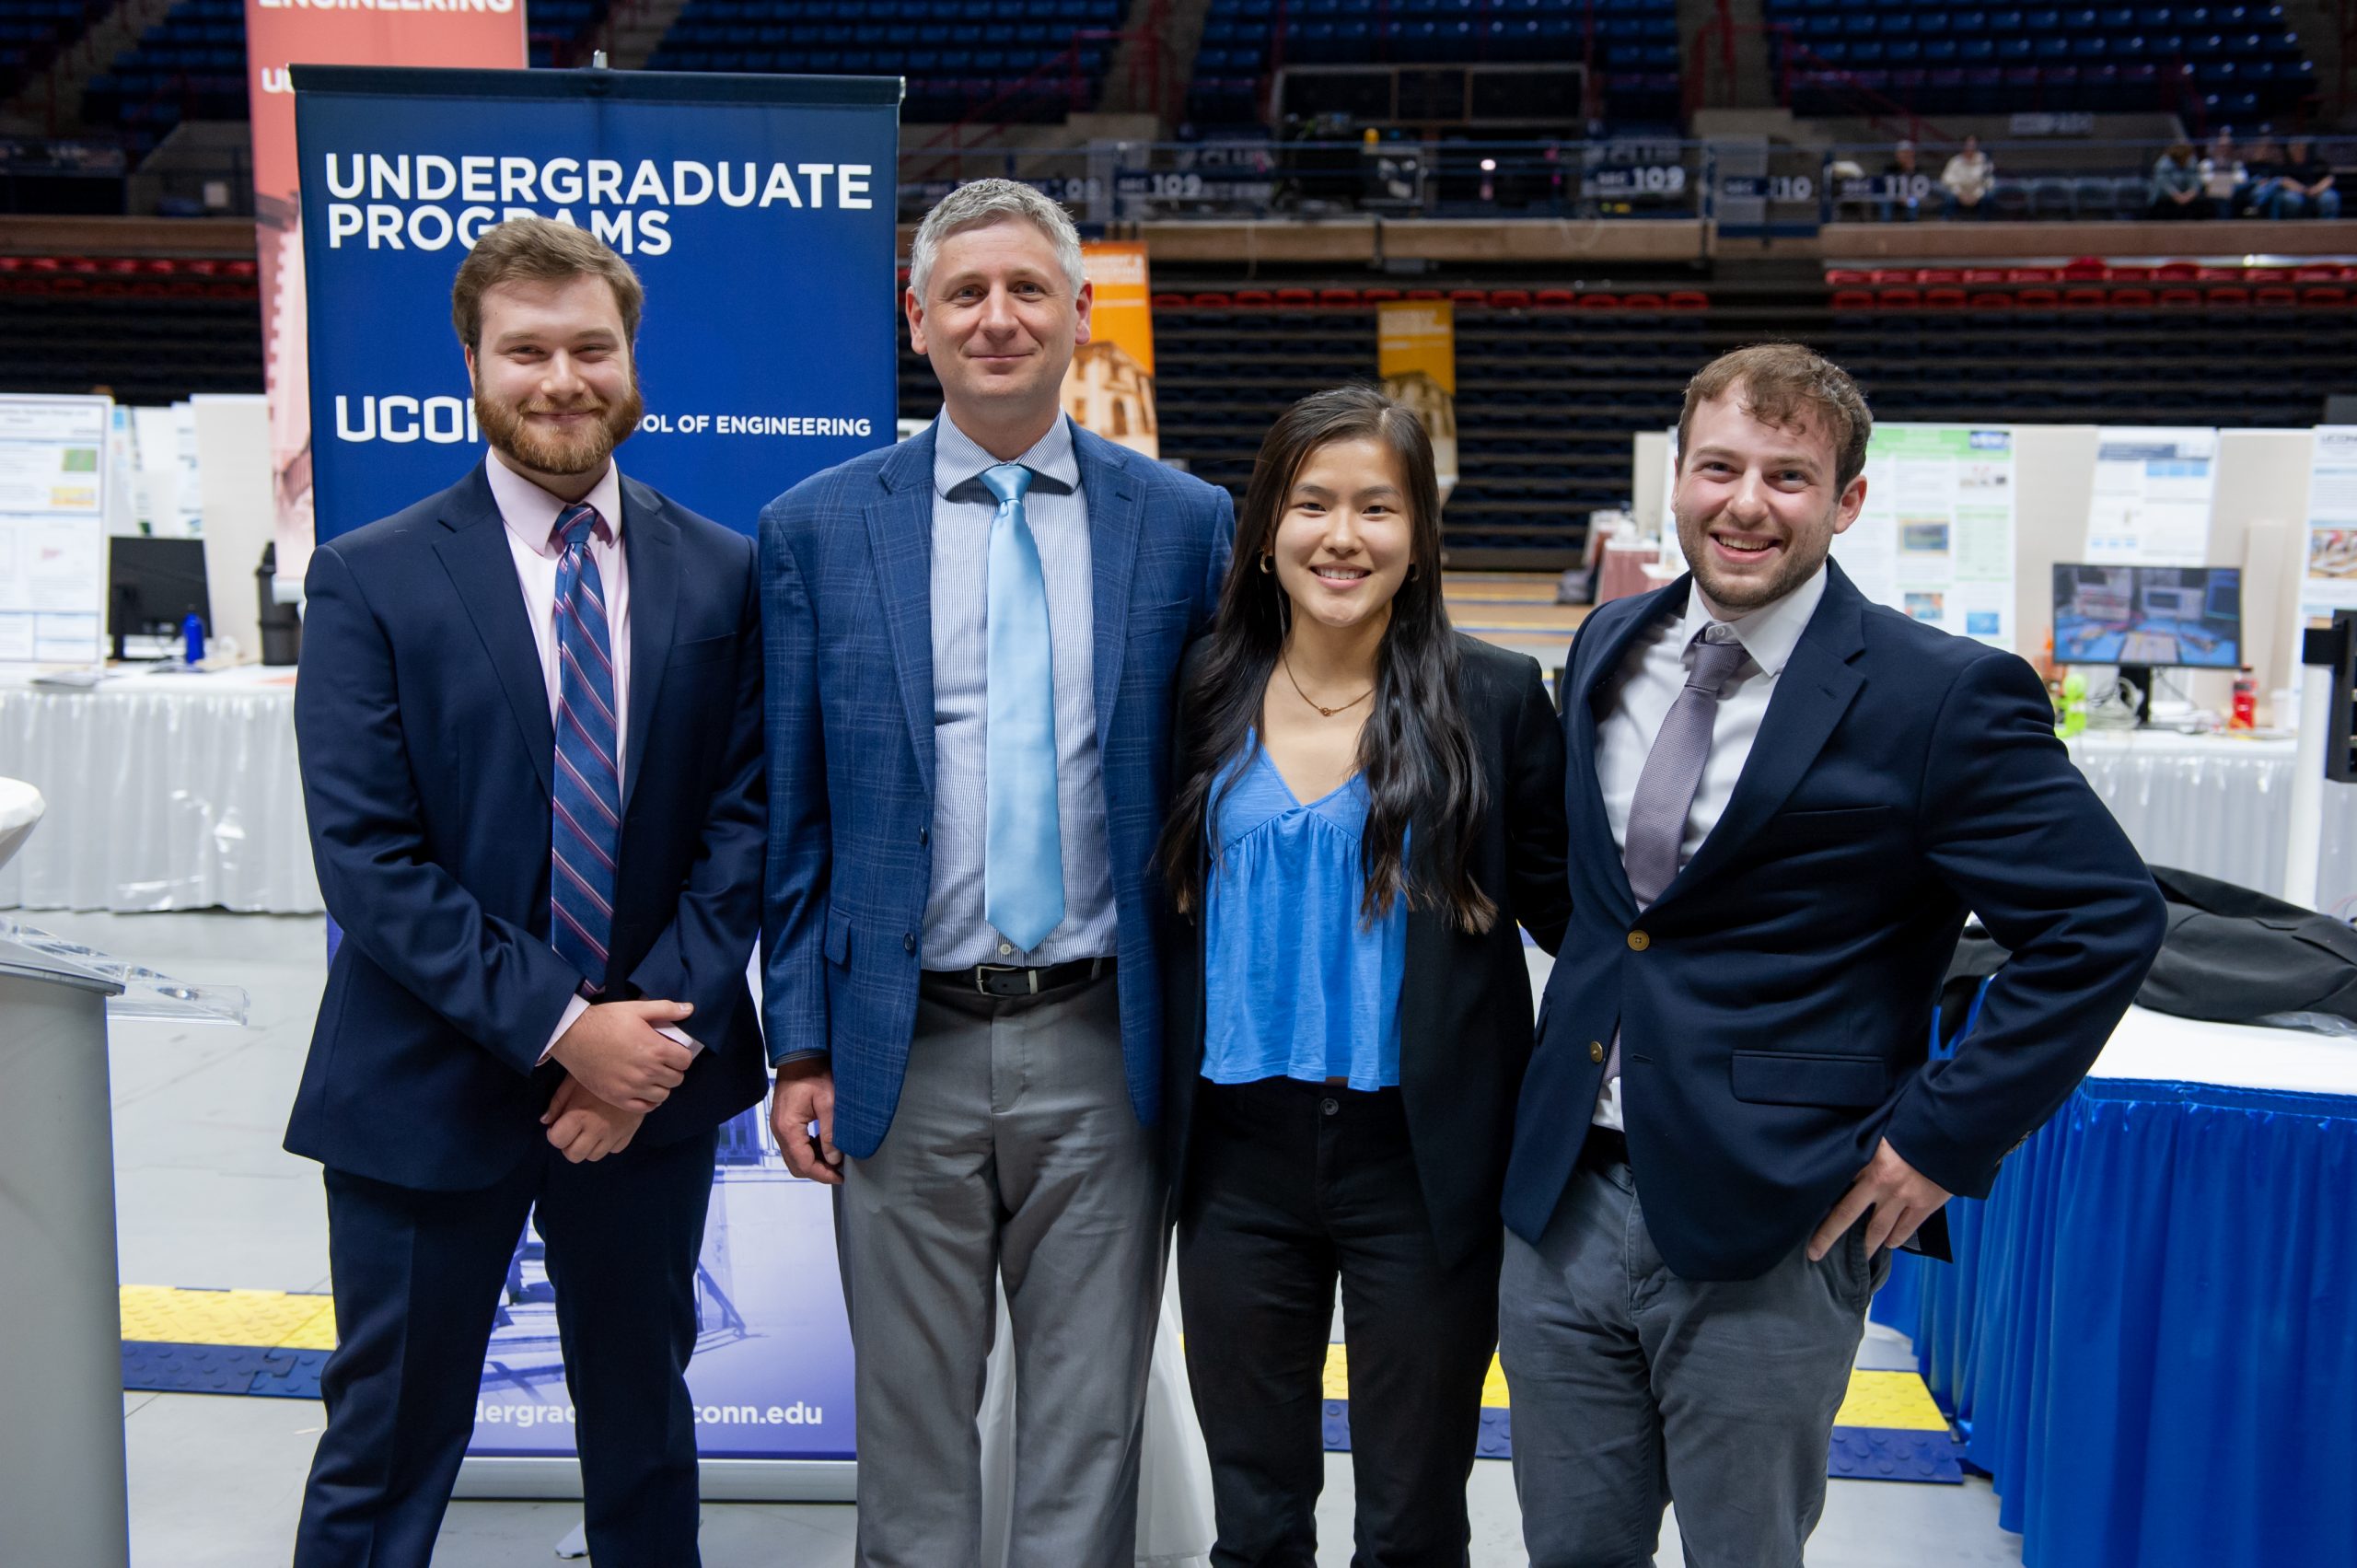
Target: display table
[2218, 805]
[164, 792]
[2148, 1327]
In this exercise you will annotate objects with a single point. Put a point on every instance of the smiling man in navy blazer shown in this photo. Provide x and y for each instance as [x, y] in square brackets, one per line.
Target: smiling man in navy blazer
[972, 640]
[529, 722]
[1783, 799]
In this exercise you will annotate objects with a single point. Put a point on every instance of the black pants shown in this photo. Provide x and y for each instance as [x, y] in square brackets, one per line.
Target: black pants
[417, 1279]
[1290, 1184]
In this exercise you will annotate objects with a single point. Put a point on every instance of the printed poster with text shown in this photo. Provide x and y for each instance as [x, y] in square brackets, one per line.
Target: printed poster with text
[2152, 499]
[1935, 538]
[1108, 387]
[2332, 579]
[53, 529]
[1415, 348]
[280, 34]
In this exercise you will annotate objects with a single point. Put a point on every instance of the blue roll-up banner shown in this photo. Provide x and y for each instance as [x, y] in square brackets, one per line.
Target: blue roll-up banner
[759, 213]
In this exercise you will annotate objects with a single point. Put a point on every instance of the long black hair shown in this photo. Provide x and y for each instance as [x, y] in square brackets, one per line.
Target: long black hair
[1415, 751]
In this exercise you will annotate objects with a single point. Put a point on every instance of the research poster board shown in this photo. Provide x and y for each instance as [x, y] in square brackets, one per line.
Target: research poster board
[1109, 385]
[279, 33]
[54, 463]
[2154, 489]
[758, 211]
[1935, 538]
[2331, 575]
[758, 214]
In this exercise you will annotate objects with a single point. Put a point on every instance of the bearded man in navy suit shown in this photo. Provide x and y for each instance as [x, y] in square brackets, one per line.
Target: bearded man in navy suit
[529, 722]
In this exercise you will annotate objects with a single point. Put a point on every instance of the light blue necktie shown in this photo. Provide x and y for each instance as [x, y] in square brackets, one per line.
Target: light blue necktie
[1022, 861]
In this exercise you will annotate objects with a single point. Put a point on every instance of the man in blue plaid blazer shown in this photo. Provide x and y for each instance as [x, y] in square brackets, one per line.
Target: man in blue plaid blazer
[972, 642]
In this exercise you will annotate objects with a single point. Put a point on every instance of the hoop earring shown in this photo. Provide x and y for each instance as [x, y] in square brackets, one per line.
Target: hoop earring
[1267, 558]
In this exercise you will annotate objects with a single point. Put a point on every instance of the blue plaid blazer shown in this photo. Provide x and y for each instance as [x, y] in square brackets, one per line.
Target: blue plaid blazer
[847, 626]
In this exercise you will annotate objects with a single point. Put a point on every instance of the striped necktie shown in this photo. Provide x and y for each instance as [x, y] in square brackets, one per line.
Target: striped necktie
[584, 836]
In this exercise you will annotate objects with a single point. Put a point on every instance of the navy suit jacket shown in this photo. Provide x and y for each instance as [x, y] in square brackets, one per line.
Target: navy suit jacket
[1774, 1002]
[422, 717]
[847, 617]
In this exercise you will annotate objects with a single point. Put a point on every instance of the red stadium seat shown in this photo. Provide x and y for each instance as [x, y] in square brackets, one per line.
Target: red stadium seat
[1378, 296]
[2275, 294]
[2256, 276]
[1509, 299]
[2320, 273]
[2220, 274]
[2174, 297]
[1891, 275]
[1255, 299]
[2324, 295]
[1601, 302]
[2039, 298]
[1853, 299]
[1839, 277]
[1990, 299]
[1641, 302]
[2218, 298]
[2031, 274]
[1555, 298]
[1984, 274]
[2132, 298]
[2129, 274]
[2085, 298]
[1944, 299]
[1898, 299]
[1688, 299]
[1338, 297]
[2177, 271]
[1928, 276]
[1291, 298]
[1469, 296]
[1169, 302]
[1213, 302]
[2084, 269]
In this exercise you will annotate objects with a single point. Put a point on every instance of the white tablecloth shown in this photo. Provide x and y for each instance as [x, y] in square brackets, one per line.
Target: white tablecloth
[181, 792]
[165, 792]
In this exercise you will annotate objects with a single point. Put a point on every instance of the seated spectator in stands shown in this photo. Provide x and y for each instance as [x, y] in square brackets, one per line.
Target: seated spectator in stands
[2266, 177]
[2223, 179]
[2305, 185]
[2176, 186]
[1968, 179]
[1903, 186]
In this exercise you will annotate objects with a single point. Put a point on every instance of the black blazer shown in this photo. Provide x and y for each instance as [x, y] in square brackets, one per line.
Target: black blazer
[1465, 1012]
[421, 718]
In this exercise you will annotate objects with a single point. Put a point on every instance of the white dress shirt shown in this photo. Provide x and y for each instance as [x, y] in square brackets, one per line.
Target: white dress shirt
[531, 514]
[1651, 674]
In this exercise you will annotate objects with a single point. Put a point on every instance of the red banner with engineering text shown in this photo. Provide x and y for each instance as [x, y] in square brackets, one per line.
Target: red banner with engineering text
[483, 34]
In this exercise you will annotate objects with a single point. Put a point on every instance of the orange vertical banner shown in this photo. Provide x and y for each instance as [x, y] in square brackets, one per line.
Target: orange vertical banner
[1415, 352]
[1110, 387]
[474, 33]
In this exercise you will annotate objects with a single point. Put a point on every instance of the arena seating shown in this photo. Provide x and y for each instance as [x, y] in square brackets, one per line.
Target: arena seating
[559, 28]
[190, 66]
[151, 332]
[1009, 60]
[1634, 44]
[2225, 62]
[33, 31]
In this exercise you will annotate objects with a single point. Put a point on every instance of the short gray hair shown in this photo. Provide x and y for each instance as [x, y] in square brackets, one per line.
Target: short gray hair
[985, 201]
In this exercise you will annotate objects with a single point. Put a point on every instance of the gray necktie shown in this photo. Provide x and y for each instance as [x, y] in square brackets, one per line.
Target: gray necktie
[1673, 772]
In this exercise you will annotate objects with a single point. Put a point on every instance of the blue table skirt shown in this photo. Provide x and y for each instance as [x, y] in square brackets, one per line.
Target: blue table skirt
[2151, 1330]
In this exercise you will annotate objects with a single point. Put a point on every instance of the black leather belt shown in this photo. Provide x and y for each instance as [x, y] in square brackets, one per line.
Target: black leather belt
[1016, 979]
[1606, 1147]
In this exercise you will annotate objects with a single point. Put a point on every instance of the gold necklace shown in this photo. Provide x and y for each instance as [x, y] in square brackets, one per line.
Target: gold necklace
[1286, 660]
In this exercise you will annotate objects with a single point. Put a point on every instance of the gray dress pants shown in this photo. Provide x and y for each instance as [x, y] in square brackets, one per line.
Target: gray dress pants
[1014, 1152]
[1632, 1387]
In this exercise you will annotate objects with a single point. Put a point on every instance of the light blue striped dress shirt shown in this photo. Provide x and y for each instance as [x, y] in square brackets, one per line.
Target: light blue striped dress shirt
[957, 933]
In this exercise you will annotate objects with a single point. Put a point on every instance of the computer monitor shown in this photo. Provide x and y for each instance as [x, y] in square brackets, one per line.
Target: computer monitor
[2179, 617]
[152, 584]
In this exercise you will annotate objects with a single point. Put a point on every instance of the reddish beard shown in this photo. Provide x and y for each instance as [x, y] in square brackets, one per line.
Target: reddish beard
[506, 428]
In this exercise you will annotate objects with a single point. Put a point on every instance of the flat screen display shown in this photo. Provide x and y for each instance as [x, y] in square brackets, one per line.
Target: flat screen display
[2189, 616]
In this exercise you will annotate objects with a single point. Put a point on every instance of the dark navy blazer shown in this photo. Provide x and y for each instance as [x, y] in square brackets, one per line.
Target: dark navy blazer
[847, 613]
[422, 717]
[1774, 1002]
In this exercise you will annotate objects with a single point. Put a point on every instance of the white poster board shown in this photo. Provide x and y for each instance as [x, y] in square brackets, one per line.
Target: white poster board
[54, 463]
[1935, 538]
[2153, 495]
[2331, 554]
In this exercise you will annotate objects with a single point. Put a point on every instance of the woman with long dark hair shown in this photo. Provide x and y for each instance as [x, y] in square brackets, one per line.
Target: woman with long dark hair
[1367, 804]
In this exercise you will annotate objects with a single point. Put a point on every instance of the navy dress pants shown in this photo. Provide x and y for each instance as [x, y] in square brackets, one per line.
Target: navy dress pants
[417, 1281]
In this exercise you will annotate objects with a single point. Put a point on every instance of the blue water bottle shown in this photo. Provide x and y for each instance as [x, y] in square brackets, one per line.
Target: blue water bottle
[192, 638]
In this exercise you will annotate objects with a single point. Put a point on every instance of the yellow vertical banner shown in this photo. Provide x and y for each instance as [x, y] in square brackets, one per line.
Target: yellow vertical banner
[1415, 352]
[1110, 388]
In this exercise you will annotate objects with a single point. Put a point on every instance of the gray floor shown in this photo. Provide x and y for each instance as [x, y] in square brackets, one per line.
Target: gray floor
[206, 1198]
